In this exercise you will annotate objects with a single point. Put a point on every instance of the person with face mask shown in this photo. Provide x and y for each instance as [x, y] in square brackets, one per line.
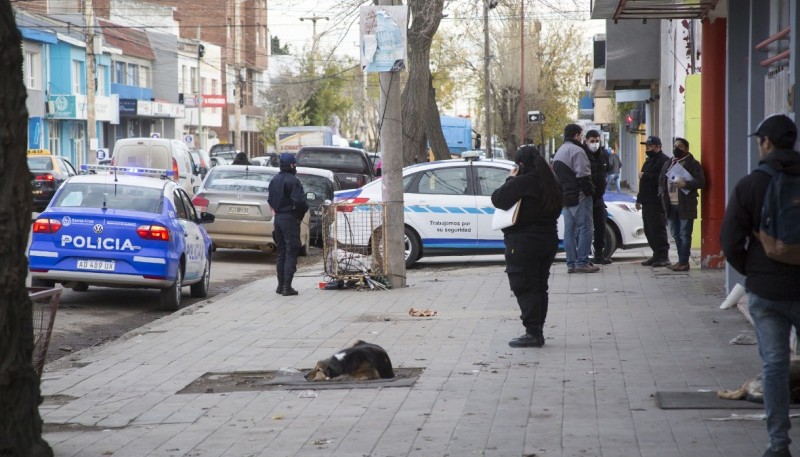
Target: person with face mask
[655, 223]
[598, 159]
[679, 199]
[287, 198]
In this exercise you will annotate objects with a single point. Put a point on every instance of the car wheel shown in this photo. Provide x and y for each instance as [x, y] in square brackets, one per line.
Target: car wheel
[171, 296]
[80, 287]
[46, 283]
[610, 241]
[200, 290]
[412, 247]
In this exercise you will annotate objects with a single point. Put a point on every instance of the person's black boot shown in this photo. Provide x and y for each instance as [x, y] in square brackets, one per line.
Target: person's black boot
[279, 290]
[288, 291]
[528, 341]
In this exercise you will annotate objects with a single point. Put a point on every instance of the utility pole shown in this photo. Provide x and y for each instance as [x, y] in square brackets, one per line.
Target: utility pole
[521, 106]
[391, 140]
[91, 124]
[199, 95]
[314, 20]
[237, 138]
[486, 89]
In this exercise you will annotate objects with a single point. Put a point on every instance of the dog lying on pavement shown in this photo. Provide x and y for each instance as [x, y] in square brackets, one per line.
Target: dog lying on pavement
[360, 362]
[751, 389]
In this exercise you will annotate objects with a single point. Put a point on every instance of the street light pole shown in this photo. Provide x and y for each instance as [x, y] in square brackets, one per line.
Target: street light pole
[314, 20]
[521, 106]
[91, 87]
[486, 92]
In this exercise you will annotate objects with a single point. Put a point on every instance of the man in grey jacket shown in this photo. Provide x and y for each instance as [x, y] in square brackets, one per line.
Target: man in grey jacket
[573, 170]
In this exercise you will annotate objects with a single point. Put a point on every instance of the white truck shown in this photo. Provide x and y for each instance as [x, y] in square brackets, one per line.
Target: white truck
[291, 139]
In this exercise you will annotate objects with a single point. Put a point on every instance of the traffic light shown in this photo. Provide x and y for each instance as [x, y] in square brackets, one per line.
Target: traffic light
[633, 119]
[201, 51]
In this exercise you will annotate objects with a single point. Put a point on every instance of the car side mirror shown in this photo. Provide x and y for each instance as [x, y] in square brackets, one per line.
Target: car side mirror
[206, 218]
[195, 189]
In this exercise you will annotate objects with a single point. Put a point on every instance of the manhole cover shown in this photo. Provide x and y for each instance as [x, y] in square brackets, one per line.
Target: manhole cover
[246, 381]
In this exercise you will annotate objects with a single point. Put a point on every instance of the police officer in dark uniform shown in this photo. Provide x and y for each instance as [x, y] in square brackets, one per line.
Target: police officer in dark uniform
[287, 198]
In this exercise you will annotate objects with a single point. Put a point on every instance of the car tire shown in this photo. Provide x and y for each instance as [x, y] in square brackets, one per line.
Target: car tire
[412, 246]
[80, 287]
[45, 283]
[171, 296]
[610, 241]
[200, 289]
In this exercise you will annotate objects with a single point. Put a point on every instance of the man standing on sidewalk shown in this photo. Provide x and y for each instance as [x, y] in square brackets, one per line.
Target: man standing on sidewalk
[774, 295]
[679, 197]
[598, 158]
[287, 198]
[655, 223]
[614, 168]
[572, 168]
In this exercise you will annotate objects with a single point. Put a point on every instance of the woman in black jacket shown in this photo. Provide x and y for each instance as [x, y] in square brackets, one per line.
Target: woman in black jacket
[532, 242]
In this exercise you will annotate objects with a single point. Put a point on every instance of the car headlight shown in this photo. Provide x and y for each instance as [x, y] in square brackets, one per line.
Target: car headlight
[630, 207]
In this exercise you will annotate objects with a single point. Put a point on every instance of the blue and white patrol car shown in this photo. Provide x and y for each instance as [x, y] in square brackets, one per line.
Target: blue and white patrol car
[122, 230]
[448, 211]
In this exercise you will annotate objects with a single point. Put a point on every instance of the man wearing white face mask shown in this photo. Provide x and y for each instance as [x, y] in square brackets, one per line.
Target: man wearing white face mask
[598, 159]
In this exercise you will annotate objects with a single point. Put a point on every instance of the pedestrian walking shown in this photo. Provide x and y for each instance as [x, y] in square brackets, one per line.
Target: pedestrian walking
[614, 169]
[287, 198]
[532, 242]
[774, 302]
[678, 194]
[598, 158]
[655, 222]
[241, 159]
[573, 171]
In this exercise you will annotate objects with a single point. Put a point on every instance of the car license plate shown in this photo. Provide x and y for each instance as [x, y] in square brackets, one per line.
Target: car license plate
[238, 210]
[101, 265]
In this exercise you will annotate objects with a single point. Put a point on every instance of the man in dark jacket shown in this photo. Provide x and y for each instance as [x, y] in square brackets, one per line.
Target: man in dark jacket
[679, 198]
[655, 223]
[774, 295]
[574, 173]
[598, 159]
[287, 198]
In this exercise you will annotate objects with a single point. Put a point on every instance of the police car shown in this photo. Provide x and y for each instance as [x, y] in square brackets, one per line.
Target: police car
[122, 230]
[448, 211]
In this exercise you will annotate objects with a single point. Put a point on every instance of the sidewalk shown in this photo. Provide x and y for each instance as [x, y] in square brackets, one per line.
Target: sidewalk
[614, 339]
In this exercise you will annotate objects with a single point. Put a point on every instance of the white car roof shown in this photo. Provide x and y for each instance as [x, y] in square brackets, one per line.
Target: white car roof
[124, 179]
[316, 171]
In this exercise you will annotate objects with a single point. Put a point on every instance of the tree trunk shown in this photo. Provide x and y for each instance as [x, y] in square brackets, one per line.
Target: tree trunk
[419, 103]
[20, 423]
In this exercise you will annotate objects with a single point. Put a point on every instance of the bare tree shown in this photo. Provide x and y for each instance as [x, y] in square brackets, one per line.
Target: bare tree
[20, 423]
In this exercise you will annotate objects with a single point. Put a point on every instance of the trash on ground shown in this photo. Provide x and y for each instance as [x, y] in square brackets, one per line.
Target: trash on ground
[414, 312]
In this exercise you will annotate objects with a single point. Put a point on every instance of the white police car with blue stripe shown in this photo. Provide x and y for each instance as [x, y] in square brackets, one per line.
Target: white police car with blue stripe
[448, 211]
[122, 230]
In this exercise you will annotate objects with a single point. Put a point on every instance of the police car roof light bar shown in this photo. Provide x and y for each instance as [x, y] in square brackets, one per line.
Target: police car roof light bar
[135, 170]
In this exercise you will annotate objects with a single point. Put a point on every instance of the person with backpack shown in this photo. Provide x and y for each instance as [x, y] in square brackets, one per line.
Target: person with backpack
[756, 215]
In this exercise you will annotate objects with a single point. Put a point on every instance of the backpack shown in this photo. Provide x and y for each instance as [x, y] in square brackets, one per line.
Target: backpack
[779, 230]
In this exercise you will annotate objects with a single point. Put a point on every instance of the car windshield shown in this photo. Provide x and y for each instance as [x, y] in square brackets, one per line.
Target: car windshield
[40, 163]
[115, 196]
[321, 186]
[343, 161]
[244, 180]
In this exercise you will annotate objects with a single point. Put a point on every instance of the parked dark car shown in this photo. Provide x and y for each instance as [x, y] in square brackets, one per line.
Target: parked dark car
[323, 183]
[48, 172]
[352, 166]
[225, 150]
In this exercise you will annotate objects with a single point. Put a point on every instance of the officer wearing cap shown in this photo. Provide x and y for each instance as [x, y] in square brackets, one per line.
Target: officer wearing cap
[655, 221]
[287, 198]
[774, 300]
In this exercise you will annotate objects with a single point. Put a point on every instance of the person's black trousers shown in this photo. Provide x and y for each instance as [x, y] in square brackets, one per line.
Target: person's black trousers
[655, 229]
[528, 260]
[287, 241]
[599, 215]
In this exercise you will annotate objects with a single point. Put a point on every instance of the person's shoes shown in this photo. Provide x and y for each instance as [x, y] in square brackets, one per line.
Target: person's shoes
[279, 290]
[570, 270]
[601, 261]
[527, 341]
[288, 291]
[661, 263]
[680, 267]
[779, 453]
[587, 269]
[648, 262]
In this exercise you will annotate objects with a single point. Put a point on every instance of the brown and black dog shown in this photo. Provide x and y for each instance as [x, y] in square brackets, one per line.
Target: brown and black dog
[751, 390]
[360, 362]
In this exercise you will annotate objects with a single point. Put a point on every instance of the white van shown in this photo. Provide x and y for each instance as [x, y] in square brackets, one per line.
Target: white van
[160, 153]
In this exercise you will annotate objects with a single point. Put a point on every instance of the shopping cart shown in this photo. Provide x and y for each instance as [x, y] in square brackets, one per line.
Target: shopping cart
[45, 304]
